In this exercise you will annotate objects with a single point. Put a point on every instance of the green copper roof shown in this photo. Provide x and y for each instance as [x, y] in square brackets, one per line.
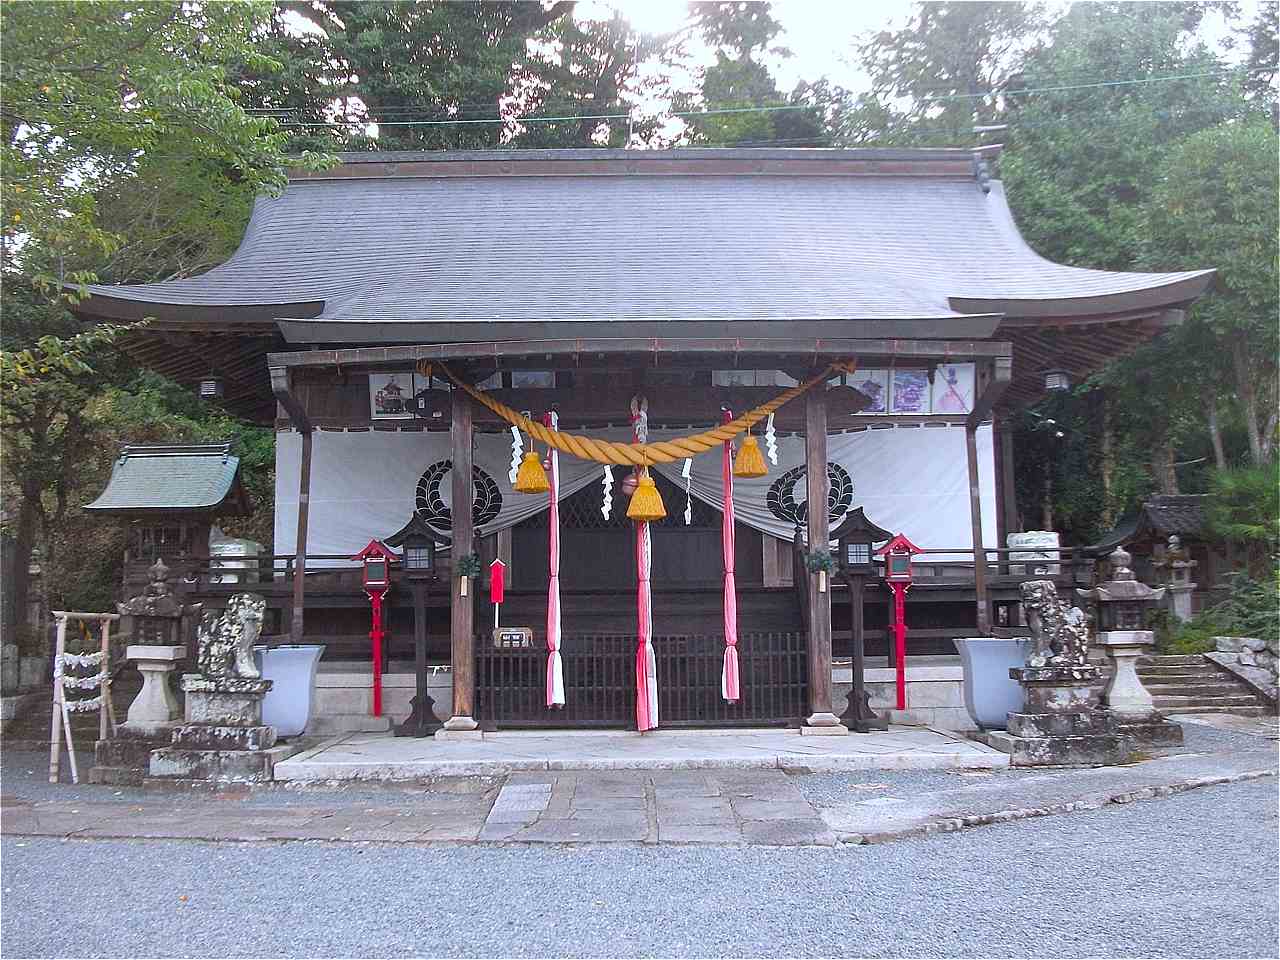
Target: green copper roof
[167, 478]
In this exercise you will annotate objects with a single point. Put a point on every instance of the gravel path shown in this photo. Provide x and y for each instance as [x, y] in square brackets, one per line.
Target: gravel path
[1189, 876]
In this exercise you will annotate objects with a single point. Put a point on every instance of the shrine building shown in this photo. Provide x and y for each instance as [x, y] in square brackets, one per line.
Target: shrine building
[560, 337]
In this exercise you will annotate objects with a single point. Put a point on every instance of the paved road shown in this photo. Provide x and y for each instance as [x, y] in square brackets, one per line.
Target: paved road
[1193, 875]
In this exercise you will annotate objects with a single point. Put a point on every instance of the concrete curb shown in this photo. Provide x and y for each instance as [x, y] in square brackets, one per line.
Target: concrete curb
[952, 824]
[298, 769]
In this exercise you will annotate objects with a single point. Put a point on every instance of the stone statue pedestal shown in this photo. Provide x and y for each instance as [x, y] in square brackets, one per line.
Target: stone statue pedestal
[223, 737]
[1125, 696]
[1061, 723]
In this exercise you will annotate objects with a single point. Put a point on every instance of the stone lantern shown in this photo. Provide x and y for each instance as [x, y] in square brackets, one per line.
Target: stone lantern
[1122, 603]
[1179, 565]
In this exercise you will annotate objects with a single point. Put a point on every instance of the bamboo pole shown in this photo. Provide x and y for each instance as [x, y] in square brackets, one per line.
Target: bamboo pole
[58, 718]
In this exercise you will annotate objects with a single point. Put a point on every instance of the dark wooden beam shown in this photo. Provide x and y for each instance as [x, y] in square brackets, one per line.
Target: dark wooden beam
[283, 392]
[462, 609]
[816, 349]
[815, 448]
[993, 381]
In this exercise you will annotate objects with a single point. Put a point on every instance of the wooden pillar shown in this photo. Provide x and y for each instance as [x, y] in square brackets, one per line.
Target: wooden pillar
[815, 445]
[300, 551]
[975, 516]
[462, 609]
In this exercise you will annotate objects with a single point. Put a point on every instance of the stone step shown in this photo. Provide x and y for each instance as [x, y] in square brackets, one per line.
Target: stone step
[1180, 673]
[1180, 659]
[1195, 689]
[1254, 711]
[1185, 704]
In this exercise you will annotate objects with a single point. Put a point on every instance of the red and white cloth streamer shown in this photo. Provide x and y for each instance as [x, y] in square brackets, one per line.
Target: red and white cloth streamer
[729, 687]
[555, 664]
[646, 665]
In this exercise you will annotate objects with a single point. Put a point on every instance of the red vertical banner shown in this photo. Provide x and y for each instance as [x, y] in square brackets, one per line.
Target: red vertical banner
[729, 687]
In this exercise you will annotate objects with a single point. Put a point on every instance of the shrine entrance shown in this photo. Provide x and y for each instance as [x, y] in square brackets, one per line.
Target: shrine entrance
[597, 581]
[600, 682]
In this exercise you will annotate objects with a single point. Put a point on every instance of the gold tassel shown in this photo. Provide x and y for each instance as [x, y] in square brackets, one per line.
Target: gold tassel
[646, 502]
[750, 462]
[531, 478]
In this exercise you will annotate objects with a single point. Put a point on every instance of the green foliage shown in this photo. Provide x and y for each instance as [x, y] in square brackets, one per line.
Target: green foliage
[1245, 506]
[818, 561]
[88, 98]
[1250, 609]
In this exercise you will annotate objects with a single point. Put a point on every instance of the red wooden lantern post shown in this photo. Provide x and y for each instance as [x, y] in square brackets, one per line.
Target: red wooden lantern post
[897, 555]
[377, 561]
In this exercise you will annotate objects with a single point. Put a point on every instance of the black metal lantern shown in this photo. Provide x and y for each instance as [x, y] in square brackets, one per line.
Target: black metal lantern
[418, 543]
[419, 555]
[856, 536]
[1123, 600]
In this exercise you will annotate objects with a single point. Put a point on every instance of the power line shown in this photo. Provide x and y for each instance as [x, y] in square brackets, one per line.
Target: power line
[763, 108]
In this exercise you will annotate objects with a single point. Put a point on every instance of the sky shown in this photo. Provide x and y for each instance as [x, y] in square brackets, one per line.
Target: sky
[820, 33]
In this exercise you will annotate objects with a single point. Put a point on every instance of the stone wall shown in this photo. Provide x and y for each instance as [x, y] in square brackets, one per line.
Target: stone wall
[935, 695]
[1253, 660]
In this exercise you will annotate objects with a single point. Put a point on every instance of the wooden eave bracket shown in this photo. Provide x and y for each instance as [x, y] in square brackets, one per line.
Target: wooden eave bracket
[991, 392]
[281, 388]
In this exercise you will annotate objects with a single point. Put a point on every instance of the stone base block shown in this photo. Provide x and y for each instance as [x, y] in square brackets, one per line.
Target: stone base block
[254, 766]
[1095, 750]
[126, 757]
[222, 708]
[1156, 732]
[204, 736]
[1039, 725]
[447, 734]
[1058, 690]
[839, 730]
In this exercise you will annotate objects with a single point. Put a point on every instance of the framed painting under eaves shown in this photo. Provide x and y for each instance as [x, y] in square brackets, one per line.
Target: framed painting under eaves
[910, 392]
[391, 395]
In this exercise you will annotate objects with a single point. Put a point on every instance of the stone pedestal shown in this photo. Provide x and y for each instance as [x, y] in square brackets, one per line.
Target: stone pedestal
[155, 706]
[223, 737]
[1061, 722]
[1180, 599]
[823, 725]
[1126, 698]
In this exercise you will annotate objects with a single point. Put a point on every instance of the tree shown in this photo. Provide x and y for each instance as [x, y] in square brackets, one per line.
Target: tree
[398, 64]
[1209, 206]
[740, 35]
[47, 430]
[88, 98]
[942, 73]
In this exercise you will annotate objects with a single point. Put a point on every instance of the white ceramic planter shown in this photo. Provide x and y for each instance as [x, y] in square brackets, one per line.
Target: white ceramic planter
[291, 668]
[990, 694]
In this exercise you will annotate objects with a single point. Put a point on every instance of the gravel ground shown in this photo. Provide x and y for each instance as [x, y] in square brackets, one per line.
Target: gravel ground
[1190, 876]
[828, 788]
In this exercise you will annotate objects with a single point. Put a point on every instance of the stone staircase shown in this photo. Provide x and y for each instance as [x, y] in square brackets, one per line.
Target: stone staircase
[1192, 684]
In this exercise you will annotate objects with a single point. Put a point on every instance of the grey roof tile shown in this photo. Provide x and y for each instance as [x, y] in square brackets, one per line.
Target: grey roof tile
[169, 477]
[695, 247]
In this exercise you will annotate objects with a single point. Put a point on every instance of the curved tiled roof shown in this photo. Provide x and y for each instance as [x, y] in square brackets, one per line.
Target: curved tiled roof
[793, 244]
[169, 478]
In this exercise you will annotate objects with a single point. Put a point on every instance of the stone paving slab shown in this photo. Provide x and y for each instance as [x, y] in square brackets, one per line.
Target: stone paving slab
[884, 818]
[372, 756]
